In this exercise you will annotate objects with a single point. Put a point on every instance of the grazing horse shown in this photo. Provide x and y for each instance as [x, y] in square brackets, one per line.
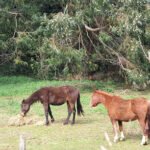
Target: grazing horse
[120, 110]
[55, 96]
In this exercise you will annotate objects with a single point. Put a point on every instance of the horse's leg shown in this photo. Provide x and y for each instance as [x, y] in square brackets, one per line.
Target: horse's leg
[69, 113]
[74, 115]
[145, 135]
[122, 137]
[50, 113]
[116, 137]
[45, 105]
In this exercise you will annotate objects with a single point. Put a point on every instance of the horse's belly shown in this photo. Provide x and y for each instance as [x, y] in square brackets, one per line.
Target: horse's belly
[53, 100]
[57, 103]
[128, 117]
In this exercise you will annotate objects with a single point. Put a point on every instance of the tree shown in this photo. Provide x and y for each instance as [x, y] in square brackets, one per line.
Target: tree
[52, 39]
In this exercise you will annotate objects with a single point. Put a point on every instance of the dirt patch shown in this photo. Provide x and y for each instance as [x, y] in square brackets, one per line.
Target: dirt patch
[18, 120]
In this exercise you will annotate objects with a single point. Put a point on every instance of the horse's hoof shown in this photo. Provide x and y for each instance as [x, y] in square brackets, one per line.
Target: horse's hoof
[145, 143]
[52, 120]
[47, 123]
[72, 123]
[122, 139]
[116, 140]
[65, 123]
[144, 140]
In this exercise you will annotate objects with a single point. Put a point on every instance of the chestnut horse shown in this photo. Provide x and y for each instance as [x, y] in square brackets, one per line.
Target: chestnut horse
[55, 96]
[120, 110]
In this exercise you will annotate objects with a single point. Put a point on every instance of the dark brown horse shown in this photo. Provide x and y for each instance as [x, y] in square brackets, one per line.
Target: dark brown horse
[120, 110]
[55, 96]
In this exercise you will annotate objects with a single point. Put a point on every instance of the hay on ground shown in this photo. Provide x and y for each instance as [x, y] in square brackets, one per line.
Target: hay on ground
[19, 120]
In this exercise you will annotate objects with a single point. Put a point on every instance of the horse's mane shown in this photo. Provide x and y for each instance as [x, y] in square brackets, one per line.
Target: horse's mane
[32, 98]
[114, 97]
[103, 93]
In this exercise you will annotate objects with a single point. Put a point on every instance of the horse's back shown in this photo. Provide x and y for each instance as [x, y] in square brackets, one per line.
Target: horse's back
[70, 91]
[59, 95]
[63, 90]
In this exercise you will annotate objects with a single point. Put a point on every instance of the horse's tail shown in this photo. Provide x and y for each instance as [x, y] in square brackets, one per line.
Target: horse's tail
[148, 120]
[79, 106]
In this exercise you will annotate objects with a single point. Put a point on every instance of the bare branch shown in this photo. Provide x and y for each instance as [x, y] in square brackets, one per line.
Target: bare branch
[146, 56]
[149, 55]
[89, 38]
[96, 22]
[66, 9]
[15, 25]
[81, 38]
[122, 62]
[91, 29]
[10, 12]
[109, 48]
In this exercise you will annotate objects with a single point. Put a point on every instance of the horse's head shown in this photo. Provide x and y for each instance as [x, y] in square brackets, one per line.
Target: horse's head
[97, 98]
[24, 107]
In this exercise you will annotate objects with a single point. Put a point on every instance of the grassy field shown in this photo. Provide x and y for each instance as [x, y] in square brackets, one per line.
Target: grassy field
[87, 133]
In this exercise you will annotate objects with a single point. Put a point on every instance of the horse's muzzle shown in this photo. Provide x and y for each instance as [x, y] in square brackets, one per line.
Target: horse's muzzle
[91, 105]
[22, 114]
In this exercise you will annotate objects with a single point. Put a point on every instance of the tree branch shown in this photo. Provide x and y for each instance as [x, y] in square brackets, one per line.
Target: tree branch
[91, 29]
[15, 25]
[81, 38]
[146, 56]
[10, 12]
[89, 38]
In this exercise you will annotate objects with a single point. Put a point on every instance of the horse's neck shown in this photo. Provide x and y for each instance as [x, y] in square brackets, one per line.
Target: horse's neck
[32, 99]
[107, 101]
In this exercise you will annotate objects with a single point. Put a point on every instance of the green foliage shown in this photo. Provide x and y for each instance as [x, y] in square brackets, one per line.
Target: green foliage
[53, 39]
[105, 37]
[134, 76]
[52, 62]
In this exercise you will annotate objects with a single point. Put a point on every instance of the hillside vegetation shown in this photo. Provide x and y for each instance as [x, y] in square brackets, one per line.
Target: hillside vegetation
[98, 39]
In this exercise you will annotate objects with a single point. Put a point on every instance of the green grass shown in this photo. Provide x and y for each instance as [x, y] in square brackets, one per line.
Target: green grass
[19, 86]
[87, 133]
